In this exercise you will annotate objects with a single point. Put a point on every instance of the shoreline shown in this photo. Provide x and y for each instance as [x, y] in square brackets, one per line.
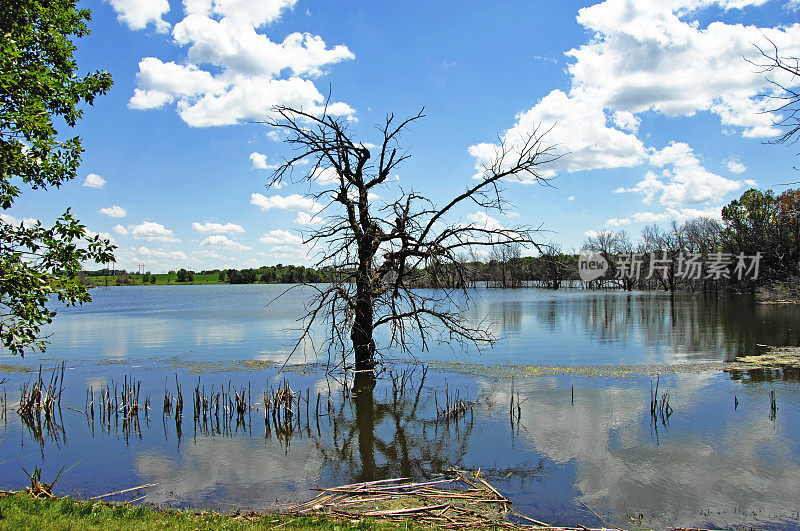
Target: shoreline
[779, 293]
[22, 510]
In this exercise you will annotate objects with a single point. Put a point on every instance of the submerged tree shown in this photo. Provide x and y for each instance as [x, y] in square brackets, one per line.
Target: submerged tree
[38, 84]
[384, 249]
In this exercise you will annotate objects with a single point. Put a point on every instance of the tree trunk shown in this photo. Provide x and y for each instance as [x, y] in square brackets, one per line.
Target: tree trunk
[361, 334]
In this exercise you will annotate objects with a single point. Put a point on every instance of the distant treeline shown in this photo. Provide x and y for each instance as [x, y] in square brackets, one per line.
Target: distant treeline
[505, 270]
[756, 247]
[681, 256]
[757, 244]
[277, 274]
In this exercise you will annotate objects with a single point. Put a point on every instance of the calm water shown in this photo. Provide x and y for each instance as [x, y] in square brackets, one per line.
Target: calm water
[537, 326]
[575, 439]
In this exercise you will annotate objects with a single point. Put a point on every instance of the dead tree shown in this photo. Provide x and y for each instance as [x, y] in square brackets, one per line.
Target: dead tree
[780, 71]
[553, 269]
[386, 249]
[608, 244]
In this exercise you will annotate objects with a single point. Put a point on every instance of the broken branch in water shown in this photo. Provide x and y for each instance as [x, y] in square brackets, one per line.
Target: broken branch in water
[140, 487]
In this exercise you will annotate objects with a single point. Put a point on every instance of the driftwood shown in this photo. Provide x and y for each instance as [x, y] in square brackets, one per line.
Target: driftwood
[460, 500]
[140, 487]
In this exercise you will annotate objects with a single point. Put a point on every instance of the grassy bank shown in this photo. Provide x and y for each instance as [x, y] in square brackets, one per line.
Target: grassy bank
[21, 511]
[161, 280]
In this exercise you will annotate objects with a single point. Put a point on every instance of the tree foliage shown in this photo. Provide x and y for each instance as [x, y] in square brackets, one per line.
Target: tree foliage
[762, 222]
[39, 89]
[185, 275]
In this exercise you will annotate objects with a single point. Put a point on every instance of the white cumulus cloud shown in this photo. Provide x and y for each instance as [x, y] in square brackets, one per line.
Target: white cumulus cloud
[670, 214]
[114, 211]
[8, 219]
[217, 228]
[153, 232]
[579, 129]
[651, 55]
[294, 202]
[259, 161]
[281, 237]
[222, 241]
[233, 72]
[483, 220]
[166, 81]
[734, 166]
[654, 56]
[137, 14]
[161, 254]
[104, 235]
[94, 181]
[683, 182]
[242, 11]
[304, 218]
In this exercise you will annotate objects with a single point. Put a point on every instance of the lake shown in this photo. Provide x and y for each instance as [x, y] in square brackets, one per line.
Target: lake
[723, 458]
[536, 326]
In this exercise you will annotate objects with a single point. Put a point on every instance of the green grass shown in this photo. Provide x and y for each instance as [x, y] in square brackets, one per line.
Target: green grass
[21, 511]
[161, 279]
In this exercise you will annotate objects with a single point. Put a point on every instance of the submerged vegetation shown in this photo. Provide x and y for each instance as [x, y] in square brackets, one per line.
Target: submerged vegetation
[769, 358]
[459, 499]
[222, 408]
[413, 426]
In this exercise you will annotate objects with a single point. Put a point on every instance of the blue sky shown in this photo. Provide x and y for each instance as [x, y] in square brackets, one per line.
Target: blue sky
[658, 113]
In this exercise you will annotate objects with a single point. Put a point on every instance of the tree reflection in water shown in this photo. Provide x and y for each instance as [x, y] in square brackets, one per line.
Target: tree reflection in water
[684, 326]
[397, 435]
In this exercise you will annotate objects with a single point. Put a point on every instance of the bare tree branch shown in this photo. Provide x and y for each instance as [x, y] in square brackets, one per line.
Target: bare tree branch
[399, 264]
